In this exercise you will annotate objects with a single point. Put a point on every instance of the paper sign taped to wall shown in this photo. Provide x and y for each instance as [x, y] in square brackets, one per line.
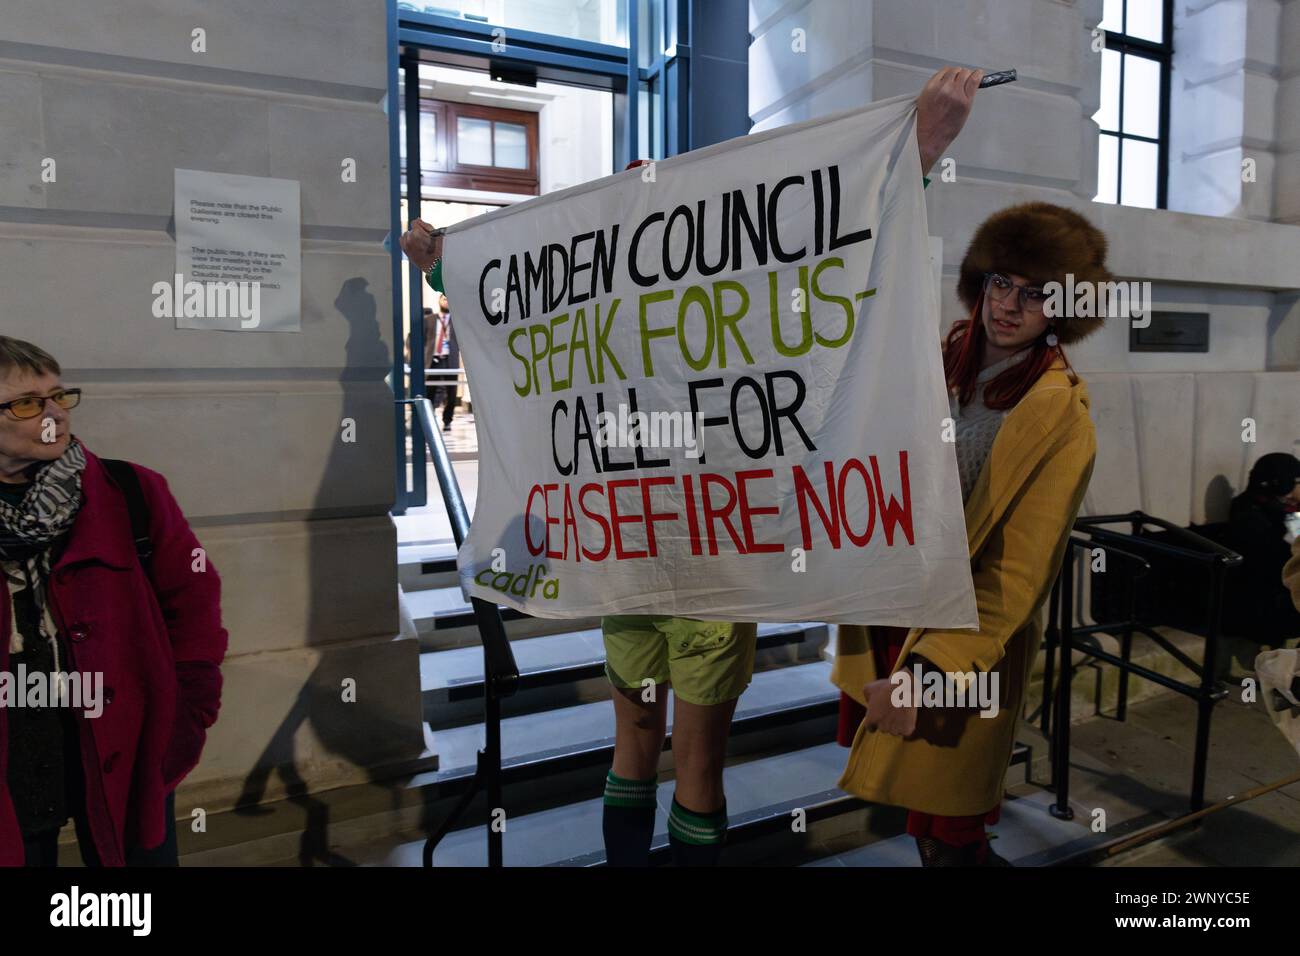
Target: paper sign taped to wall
[712, 388]
[238, 254]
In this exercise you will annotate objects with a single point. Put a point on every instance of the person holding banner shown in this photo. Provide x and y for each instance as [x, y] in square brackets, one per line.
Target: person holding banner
[1025, 447]
[708, 664]
[445, 355]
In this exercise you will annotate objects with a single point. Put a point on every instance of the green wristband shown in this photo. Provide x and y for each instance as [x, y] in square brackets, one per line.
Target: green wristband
[434, 277]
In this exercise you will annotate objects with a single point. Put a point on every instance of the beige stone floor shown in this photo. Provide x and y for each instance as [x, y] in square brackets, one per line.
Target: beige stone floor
[1143, 766]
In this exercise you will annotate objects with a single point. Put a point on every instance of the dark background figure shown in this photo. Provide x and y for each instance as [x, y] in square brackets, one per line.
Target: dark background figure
[429, 326]
[1260, 607]
[442, 352]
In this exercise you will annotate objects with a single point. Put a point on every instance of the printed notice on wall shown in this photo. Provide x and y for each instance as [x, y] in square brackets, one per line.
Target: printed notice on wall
[238, 254]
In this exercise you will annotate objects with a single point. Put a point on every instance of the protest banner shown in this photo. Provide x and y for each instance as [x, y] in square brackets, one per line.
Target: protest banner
[712, 387]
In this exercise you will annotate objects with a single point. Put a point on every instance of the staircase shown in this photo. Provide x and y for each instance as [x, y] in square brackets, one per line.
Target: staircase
[557, 744]
[557, 730]
[557, 733]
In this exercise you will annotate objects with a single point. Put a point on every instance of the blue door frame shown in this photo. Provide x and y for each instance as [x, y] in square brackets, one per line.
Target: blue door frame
[425, 37]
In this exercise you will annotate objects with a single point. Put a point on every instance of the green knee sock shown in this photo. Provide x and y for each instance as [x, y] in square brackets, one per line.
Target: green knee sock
[696, 838]
[629, 820]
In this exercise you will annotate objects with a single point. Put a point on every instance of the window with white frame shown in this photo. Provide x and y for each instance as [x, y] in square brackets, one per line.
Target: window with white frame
[1133, 148]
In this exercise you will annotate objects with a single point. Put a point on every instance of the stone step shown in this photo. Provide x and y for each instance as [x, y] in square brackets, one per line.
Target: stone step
[549, 760]
[276, 827]
[583, 733]
[427, 565]
[764, 794]
[563, 669]
[766, 788]
[1026, 835]
[444, 619]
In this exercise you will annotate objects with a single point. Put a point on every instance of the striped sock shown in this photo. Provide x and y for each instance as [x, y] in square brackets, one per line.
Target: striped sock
[696, 838]
[621, 792]
[629, 820]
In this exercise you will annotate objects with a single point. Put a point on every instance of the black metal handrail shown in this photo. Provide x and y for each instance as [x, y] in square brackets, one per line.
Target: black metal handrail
[1190, 547]
[1207, 551]
[500, 672]
[1052, 635]
[1061, 630]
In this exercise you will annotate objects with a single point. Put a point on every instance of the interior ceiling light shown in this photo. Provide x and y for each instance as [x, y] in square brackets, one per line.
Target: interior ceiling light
[492, 95]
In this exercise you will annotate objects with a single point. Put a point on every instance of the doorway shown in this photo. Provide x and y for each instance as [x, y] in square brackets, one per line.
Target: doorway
[485, 144]
[490, 115]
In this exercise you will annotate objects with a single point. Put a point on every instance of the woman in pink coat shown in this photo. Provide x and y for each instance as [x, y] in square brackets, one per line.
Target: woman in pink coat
[133, 626]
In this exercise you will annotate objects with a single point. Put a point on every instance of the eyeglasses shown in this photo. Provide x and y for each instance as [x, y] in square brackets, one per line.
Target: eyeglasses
[34, 405]
[999, 287]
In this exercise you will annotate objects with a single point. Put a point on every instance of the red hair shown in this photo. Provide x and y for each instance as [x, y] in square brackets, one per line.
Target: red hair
[964, 349]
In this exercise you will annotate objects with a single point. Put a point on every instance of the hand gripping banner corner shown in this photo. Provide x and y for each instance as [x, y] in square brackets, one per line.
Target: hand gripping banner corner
[710, 387]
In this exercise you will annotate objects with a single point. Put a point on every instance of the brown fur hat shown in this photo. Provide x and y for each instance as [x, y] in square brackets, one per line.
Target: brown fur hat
[1041, 242]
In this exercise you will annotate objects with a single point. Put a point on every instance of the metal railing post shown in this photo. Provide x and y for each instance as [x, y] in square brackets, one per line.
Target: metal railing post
[500, 672]
[1061, 765]
[419, 487]
[492, 772]
[1051, 639]
[1206, 700]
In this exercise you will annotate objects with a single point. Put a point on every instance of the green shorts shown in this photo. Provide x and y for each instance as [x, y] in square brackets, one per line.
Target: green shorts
[705, 662]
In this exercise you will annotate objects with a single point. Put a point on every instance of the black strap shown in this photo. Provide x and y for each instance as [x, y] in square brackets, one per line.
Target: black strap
[127, 479]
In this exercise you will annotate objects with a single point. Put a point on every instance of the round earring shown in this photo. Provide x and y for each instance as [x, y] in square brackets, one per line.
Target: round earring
[1052, 340]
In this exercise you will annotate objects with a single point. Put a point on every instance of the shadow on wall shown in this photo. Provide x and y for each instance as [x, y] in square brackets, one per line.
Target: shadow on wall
[375, 726]
[1218, 499]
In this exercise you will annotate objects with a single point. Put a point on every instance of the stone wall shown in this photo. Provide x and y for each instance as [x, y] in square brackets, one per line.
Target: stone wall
[246, 426]
[1035, 139]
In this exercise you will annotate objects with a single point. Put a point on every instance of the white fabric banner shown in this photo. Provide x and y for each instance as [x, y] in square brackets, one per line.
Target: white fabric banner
[711, 388]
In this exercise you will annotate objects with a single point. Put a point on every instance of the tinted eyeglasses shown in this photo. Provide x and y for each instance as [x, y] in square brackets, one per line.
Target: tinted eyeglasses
[1000, 287]
[33, 405]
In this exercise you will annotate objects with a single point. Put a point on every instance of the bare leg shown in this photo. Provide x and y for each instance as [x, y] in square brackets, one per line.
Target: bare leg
[629, 810]
[699, 749]
[639, 728]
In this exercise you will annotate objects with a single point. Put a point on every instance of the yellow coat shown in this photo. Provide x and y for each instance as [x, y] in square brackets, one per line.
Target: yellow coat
[1018, 519]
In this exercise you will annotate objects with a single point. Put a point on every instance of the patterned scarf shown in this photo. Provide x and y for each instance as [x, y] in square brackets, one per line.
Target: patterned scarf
[30, 528]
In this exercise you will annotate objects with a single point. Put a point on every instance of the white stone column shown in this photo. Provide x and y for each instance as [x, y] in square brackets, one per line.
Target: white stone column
[1225, 91]
[1286, 198]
